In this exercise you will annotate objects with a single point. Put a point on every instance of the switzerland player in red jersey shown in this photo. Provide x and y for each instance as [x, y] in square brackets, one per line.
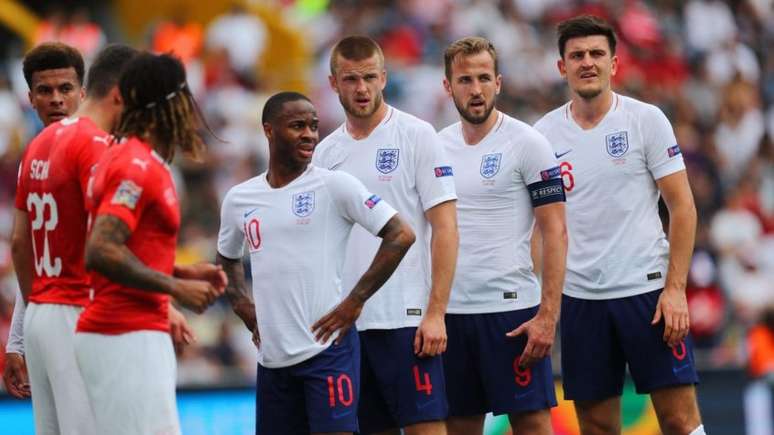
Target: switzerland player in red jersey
[52, 185]
[54, 74]
[122, 343]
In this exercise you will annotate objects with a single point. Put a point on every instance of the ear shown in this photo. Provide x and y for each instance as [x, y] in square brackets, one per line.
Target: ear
[562, 68]
[29, 95]
[115, 96]
[383, 79]
[268, 131]
[334, 84]
[614, 66]
[447, 86]
[83, 93]
[498, 83]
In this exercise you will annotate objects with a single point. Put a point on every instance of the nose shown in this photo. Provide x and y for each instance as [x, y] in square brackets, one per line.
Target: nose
[57, 98]
[587, 61]
[475, 88]
[361, 86]
[309, 134]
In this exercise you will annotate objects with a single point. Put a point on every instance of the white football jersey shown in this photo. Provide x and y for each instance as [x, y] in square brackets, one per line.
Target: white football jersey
[617, 245]
[495, 181]
[296, 236]
[403, 162]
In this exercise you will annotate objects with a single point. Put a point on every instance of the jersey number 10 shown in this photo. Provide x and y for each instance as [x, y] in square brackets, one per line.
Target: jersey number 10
[36, 205]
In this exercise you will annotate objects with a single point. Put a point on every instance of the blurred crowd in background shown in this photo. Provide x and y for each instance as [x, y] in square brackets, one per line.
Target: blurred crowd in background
[708, 64]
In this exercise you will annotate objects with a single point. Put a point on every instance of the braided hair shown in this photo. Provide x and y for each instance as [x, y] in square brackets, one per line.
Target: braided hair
[159, 107]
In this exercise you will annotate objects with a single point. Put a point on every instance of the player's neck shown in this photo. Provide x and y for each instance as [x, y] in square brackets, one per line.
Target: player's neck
[281, 174]
[361, 128]
[587, 113]
[474, 133]
[99, 115]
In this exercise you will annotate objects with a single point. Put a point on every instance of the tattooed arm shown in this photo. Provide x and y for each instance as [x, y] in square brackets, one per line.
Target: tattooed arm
[236, 290]
[397, 237]
[107, 253]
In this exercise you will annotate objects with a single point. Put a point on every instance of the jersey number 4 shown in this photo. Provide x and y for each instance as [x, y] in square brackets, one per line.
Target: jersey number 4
[45, 222]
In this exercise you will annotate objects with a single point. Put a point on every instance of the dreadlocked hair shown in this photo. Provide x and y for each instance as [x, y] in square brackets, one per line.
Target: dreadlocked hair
[159, 107]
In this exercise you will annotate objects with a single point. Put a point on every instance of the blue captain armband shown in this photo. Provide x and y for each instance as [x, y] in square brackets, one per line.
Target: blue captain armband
[546, 192]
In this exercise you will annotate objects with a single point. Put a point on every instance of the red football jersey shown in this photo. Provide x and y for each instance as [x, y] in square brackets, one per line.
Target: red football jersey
[51, 188]
[133, 183]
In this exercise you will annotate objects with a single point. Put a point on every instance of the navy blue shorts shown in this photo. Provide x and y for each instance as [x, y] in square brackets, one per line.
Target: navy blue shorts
[317, 395]
[482, 369]
[399, 389]
[600, 337]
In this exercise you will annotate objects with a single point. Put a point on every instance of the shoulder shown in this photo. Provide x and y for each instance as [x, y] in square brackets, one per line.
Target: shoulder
[409, 123]
[551, 119]
[641, 111]
[520, 134]
[451, 133]
[334, 179]
[247, 187]
[331, 140]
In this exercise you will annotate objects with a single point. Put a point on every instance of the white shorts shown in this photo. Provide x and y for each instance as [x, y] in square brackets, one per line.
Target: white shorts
[59, 400]
[130, 380]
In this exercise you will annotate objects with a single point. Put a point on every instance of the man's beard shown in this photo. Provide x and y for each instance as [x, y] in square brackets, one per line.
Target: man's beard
[467, 116]
[352, 110]
[588, 94]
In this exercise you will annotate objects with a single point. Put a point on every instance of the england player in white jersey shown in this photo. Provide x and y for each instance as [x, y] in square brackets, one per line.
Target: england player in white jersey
[624, 301]
[402, 330]
[295, 220]
[507, 179]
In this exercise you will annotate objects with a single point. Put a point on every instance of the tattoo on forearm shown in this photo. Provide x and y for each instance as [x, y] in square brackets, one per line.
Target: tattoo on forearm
[390, 253]
[236, 291]
[107, 253]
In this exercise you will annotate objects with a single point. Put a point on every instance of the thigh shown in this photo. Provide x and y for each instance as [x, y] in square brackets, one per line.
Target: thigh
[593, 362]
[413, 388]
[509, 388]
[72, 402]
[280, 405]
[43, 406]
[374, 413]
[332, 386]
[652, 363]
[130, 381]
[462, 372]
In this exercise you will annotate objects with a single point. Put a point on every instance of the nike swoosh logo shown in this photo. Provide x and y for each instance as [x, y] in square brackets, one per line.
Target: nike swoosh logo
[342, 414]
[524, 394]
[676, 370]
[559, 155]
[426, 404]
[249, 212]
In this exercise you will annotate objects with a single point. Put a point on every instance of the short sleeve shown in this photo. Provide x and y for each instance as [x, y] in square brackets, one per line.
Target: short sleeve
[231, 238]
[662, 153]
[540, 170]
[434, 174]
[357, 204]
[127, 191]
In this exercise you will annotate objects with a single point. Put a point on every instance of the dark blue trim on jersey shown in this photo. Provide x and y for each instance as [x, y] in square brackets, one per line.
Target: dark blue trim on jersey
[546, 192]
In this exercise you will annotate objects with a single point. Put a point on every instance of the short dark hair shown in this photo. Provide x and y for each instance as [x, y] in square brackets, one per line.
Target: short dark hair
[105, 71]
[274, 104]
[52, 55]
[585, 25]
[355, 48]
[467, 46]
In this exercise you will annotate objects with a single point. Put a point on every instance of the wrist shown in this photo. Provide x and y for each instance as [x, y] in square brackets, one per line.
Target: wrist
[548, 313]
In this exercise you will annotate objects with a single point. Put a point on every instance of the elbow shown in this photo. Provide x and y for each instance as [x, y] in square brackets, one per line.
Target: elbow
[406, 237]
[92, 257]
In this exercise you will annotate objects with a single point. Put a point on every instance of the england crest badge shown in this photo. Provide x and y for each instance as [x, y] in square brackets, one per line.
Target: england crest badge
[490, 164]
[617, 143]
[387, 159]
[303, 204]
